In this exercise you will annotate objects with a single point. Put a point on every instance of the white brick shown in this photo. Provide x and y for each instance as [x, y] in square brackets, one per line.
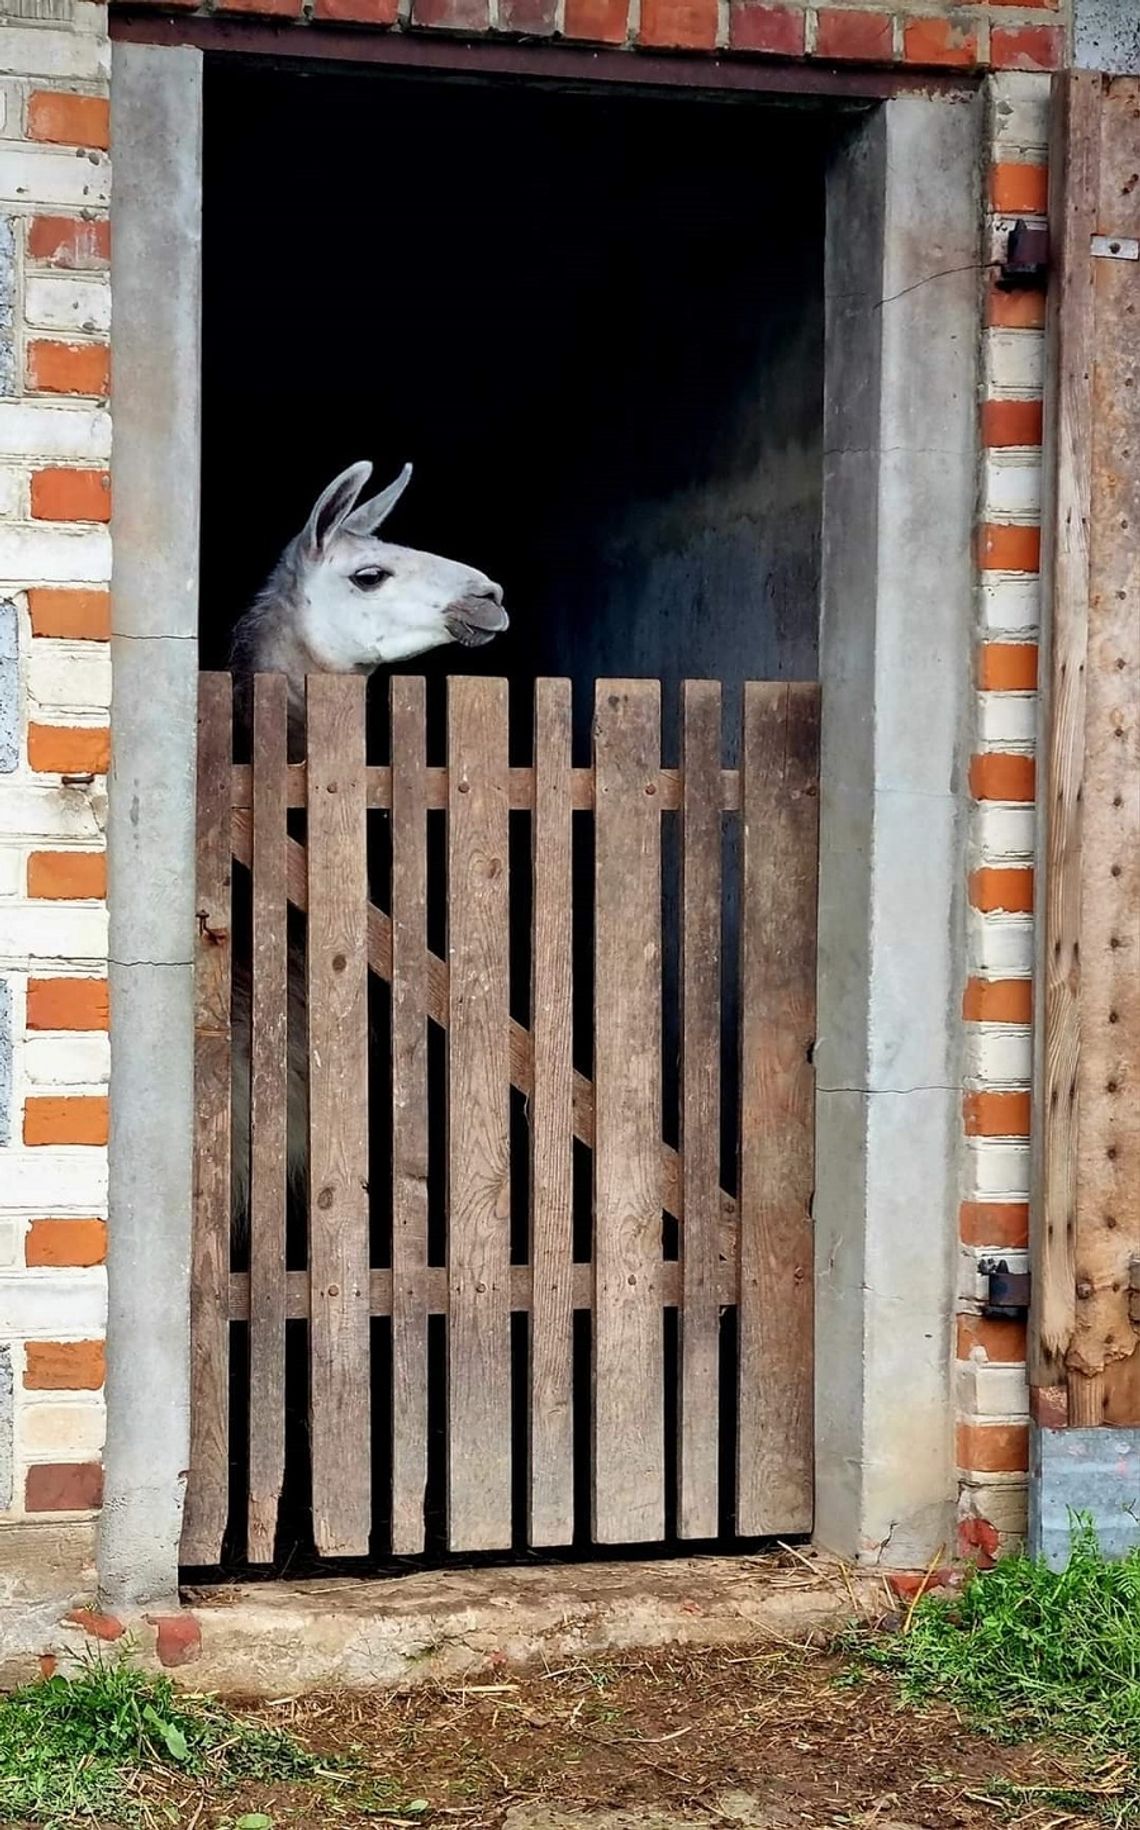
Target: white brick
[68, 301]
[1012, 486]
[972, 1286]
[11, 1244]
[45, 1181]
[76, 1060]
[11, 870]
[37, 429]
[1004, 833]
[75, 180]
[48, 1304]
[40, 51]
[1001, 946]
[69, 676]
[1007, 721]
[998, 1169]
[1005, 1506]
[36, 810]
[992, 1391]
[1014, 363]
[54, 555]
[997, 1054]
[50, 931]
[13, 492]
[60, 1430]
[1009, 603]
[1020, 115]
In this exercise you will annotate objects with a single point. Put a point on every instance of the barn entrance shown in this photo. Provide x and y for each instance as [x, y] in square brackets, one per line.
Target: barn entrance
[599, 340]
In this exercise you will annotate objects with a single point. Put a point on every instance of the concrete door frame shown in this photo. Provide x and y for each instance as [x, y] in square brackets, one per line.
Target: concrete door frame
[902, 276]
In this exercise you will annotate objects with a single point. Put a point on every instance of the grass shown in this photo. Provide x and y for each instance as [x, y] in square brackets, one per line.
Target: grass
[1029, 1654]
[79, 1748]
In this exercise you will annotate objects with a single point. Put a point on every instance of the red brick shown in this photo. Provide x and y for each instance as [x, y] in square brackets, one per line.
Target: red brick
[67, 1004]
[1019, 309]
[71, 495]
[530, 18]
[776, 30]
[357, 12]
[1049, 1406]
[70, 1486]
[68, 368]
[64, 1366]
[1011, 422]
[996, 1114]
[866, 37]
[179, 1638]
[69, 749]
[1004, 888]
[95, 1624]
[599, 21]
[452, 15]
[1005, 547]
[909, 1583]
[1001, 776]
[941, 42]
[63, 1119]
[64, 876]
[67, 241]
[1007, 667]
[999, 1339]
[998, 1224]
[69, 120]
[65, 1242]
[682, 25]
[1027, 47]
[1019, 190]
[998, 1001]
[993, 1448]
[70, 616]
[979, 1541]
[276, 9]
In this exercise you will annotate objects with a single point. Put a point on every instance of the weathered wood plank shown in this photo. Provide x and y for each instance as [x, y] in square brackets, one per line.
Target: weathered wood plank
[207, 1491]
[268, 1107]
[520, 780]
[521, 1063]
[780, 756]
[339, 1386]
[1070, 333]
[409, 1116]
[1108, 1099]
[628, 1485]
[478, 1154]
[551, 1519]
[700, 1107]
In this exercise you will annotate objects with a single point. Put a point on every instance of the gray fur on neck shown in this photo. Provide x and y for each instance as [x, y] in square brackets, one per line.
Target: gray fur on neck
[266, 641]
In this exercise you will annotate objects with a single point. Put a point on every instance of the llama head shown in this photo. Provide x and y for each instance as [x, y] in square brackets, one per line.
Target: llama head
[361, 602]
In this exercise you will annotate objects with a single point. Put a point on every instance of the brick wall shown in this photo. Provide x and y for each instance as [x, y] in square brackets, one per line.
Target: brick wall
[55, 689]
[992, 1433]
[931, 34]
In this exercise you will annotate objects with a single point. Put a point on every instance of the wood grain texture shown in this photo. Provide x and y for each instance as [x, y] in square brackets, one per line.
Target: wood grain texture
[339, 1382]
[701, 892]
[409, 1116]
[268, 1105]
[551, 1514]
[1070, 330]
[478, 1147]
[628, 1484]
[520, 787]
[1108, 1146]
[207, 1489]
[780, 821]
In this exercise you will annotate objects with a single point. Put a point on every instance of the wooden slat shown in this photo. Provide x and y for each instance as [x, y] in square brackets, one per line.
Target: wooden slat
[268, 1108]
[780, 754]
[1074, 180]
[520, 780]
[628, 1486]
[409, 1116]
[700, 1107]
[478, 1154]
[431, 1285]
[1108, 1147]
[551, 1517]
[521, 1063]
[207, 1492]
[339, 1395]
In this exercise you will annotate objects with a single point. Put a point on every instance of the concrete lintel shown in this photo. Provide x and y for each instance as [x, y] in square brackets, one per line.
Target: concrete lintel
[902, 265]
[156, 104]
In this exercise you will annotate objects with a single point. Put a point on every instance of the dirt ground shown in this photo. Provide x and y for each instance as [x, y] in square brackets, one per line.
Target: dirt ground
[778, 1739]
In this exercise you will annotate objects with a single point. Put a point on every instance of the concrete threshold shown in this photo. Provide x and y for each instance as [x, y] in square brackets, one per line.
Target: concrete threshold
[287, 1637]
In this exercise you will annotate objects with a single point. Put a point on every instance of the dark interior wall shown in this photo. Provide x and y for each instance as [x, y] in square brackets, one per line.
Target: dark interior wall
[592, 321]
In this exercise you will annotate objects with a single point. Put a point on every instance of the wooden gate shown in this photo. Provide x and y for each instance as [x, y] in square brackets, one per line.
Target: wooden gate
[665, 1234]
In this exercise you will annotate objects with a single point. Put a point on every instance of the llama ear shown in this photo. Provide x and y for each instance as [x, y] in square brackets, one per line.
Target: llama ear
[333, 506]
[371, 515]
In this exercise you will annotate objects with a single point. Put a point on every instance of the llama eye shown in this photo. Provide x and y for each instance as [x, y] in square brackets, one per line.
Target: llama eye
[370, 578]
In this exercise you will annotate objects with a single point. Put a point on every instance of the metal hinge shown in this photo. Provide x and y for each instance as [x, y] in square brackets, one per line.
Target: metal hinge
[1007, 1292]
[1026, 262]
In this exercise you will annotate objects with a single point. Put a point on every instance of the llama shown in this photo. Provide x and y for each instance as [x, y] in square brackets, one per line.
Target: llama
[339, 600]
